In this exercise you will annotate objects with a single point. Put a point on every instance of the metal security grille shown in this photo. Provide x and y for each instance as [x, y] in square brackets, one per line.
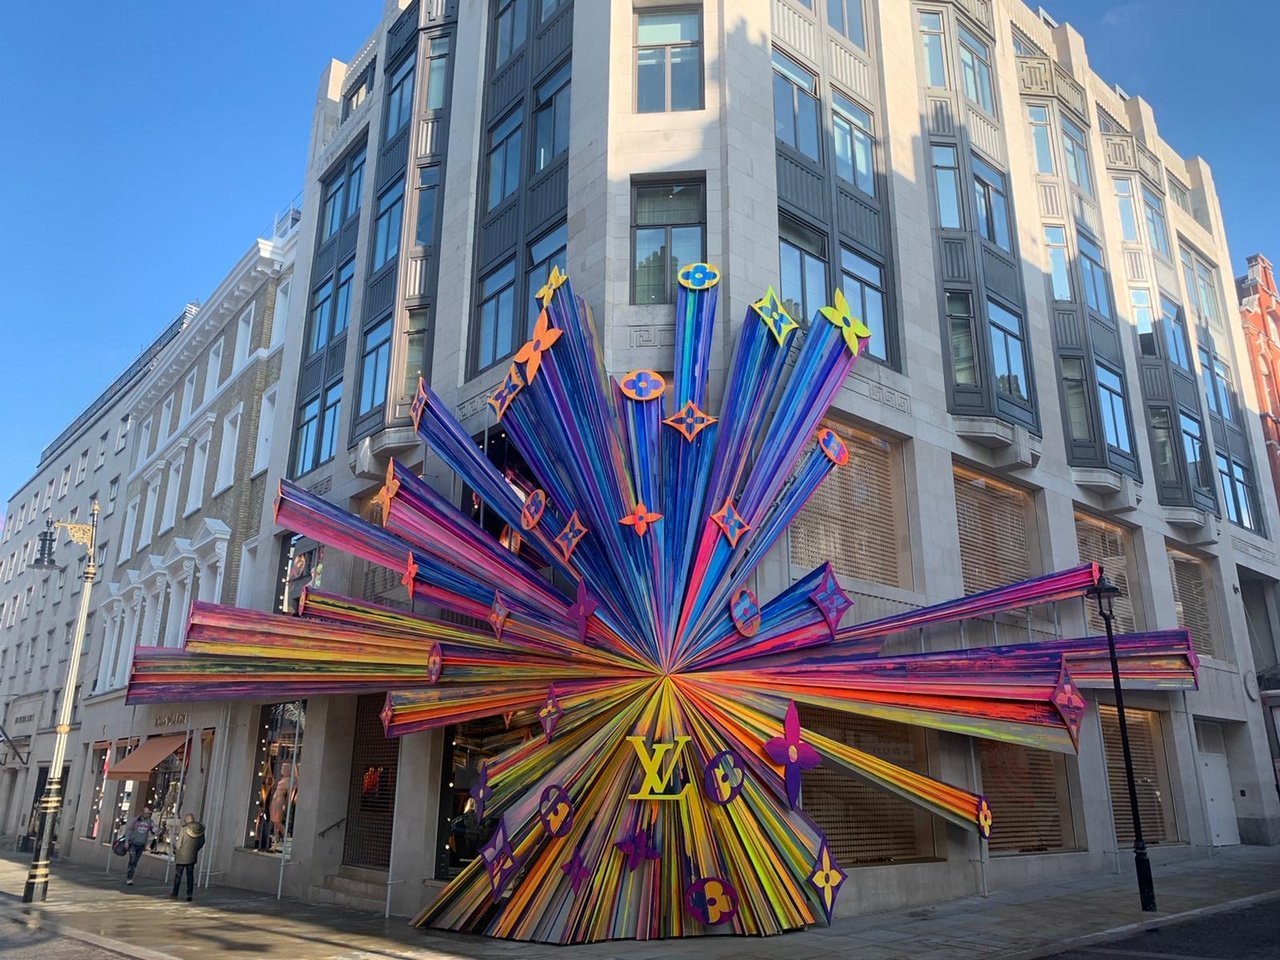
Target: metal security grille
[865, 824]
[1150, 775]
[856, 517]
[371, 803]
[1029, 797]
[993, 520]
[1103, 543]
[1191, 600]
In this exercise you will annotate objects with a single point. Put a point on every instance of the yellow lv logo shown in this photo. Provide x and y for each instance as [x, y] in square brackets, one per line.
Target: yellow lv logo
[656, 779]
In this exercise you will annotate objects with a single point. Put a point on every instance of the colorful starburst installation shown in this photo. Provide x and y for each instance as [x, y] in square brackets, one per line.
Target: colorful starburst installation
[663, 794]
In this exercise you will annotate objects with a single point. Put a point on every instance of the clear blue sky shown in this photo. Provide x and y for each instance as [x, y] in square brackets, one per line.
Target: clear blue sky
[155, 139]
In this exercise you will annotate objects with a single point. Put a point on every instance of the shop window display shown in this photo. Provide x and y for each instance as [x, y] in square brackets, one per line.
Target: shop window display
[464, 826]
[122, 808]
[99, 766]
[277, 778]
[164, 792]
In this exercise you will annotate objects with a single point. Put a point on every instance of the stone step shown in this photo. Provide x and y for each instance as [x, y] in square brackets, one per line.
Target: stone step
[367, 904]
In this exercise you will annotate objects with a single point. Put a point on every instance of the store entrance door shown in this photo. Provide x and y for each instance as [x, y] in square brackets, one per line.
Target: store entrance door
[371, 802]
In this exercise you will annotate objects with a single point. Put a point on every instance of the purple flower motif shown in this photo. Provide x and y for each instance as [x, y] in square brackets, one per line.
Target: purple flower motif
[830, 599]
[576, 870]
[481, 791]
[794, 755]
[499, 859]
[583, 607]
[549, 713]
[638, 848]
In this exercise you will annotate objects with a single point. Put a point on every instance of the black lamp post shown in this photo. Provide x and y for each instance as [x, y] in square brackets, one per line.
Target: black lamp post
[1105, 592]
[85, 534]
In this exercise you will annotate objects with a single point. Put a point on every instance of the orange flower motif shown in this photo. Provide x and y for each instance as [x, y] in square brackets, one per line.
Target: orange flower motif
[544, 335]
[639, 519]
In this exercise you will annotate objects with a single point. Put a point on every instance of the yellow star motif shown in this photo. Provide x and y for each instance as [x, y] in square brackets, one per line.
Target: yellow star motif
[853, 329]
[554, 279]
[775, 317]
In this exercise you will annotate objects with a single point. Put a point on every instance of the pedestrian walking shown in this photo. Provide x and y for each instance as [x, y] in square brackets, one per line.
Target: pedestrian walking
[186, 850]
[138, 833]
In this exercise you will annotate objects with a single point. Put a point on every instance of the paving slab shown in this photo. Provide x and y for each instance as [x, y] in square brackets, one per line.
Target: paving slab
[1019, 924]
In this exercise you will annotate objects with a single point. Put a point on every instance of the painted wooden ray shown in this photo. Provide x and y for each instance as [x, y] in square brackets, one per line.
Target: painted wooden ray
[659, 788]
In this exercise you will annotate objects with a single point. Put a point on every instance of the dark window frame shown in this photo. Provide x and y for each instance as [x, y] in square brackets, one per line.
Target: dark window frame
[635, 227]
[788, 72]
[638, 49]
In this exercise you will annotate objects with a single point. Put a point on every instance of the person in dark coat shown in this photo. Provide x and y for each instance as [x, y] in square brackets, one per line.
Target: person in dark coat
[186, 850]
[138, 833]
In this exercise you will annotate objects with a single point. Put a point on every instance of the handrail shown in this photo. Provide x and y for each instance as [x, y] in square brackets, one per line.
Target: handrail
[337, 823]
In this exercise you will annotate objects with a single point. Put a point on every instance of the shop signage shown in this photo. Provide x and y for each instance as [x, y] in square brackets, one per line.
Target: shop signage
[171, 720]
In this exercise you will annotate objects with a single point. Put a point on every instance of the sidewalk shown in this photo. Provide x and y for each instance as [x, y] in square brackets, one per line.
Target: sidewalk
[142, 922]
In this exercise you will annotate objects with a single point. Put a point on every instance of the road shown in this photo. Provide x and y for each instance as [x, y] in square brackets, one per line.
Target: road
[20, 943]
[1249, 934]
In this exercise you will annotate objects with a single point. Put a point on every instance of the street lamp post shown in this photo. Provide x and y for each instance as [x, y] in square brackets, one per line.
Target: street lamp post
[85, 534]
[1105, 592]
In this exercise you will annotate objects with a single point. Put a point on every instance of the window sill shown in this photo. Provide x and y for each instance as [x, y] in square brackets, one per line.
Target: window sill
[192, 509]
[166, 529]
[219, 491]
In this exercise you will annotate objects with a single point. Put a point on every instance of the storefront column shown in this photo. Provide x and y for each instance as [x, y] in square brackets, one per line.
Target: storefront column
[413, 838]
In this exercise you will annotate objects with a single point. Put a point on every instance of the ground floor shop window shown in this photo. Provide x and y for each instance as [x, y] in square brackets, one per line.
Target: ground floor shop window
[98, 766]
[1150, 775]
[163, 795]
[277, 777]
[865, 824]
[122, 805]
[468, 747]
[1029, 793]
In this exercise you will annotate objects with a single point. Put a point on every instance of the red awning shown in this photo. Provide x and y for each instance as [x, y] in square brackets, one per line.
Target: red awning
[146, 757]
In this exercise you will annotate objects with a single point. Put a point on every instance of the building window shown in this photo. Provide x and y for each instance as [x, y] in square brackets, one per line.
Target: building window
[329, 422]
[1157, 228]
[355, 183]
[1128, 212]
[964, 360]
[853, 143]
[1096, 291]
[865, 825]
[375, 365]
[932, 43]
[358, 93]
[306, 440]
[101, 459]
[1151, 775]
[1175, 333]
[1217, 384]
[277, 782]
[199, 466]
[863, 283]
[1237, 491]
[82, 464]
[266, 423]
[1165, 444]
[975, 69]
[668, 231]
[991, 205]
[504, 159]
[510, 25]
[227, 452]
[795, 106]
[547, 7]
[428, 187]
[1202, 288]
[495, 327]
[65, 483]
[551, 119]
[1115, 416]
[386, 227]
[1034, 790]
[994, 519]
[668, 61]
[946, 181]
[1076, 153]
[845, 17]
[399, 99]
[1181, 195]
[857, 517]
[1194, 451]
[437, 68]
[212, 378]
[1191, 599]
[545, 253]
[1055, 239]
[1144, 320]
[331, 211]
[244, 346]
[1007, 353]
[342, 297]
[1041, 138]
[1106, 544]
[321, 315]
[113, 491]
[802, 255]
[122, 432]
[1076, 390]
[169, 513]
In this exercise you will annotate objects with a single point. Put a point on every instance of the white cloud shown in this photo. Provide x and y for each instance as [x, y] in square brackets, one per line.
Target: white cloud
[1123, 14]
